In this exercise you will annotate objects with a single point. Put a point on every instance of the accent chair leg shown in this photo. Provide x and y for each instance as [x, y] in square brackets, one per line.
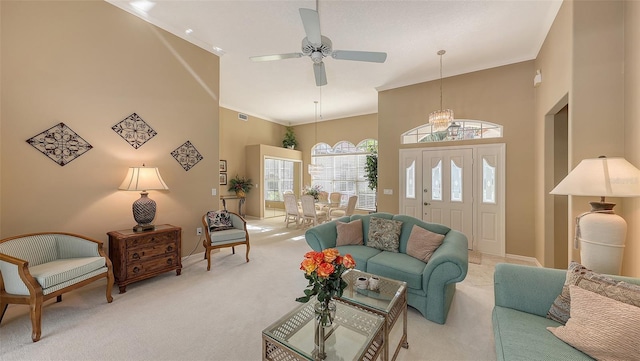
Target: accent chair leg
[247, 255]
[110, 281]
[3, 309]
[36, 319]
[208, 257]
[59, 298]
[233, 250]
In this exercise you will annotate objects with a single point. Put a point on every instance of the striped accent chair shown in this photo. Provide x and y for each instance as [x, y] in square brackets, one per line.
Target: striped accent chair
[39, 266]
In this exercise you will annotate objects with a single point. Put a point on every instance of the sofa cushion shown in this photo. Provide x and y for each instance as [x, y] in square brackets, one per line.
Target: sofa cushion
[55, 272]
[398, 266]
[360, 254]
[584, 278]
[524, 336]
[422, 243]
[349, 233]
[219, 220]
[601, 327]
[384, 234]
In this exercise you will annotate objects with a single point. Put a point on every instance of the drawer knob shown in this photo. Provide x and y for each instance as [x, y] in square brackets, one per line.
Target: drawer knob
[136, 269]
[135, 256]
[169, 261]
[169, 248]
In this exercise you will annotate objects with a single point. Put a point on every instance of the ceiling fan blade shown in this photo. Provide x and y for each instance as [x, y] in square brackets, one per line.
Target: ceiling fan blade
[276, 57]
[370, 56]
[311, 23]
[321, 75]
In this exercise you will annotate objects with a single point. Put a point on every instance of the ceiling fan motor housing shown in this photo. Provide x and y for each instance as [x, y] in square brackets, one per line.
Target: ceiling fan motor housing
[317, 52]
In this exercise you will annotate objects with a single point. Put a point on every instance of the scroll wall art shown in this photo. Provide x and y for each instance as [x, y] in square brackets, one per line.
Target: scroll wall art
[134, 130]
[187, 155]
[60, 144]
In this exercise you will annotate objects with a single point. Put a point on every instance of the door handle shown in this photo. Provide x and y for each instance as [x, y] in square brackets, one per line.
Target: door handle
[427, 204]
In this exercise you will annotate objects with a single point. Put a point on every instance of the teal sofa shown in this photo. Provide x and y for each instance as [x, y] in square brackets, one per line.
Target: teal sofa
[430, 286]
[523, 295]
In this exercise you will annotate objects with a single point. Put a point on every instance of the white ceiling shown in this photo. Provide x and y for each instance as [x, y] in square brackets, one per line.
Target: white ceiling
[478, 34]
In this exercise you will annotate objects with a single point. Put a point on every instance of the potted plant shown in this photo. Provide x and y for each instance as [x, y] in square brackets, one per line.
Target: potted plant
[371, 168]
[241, 186]
[289, 140]
[313, 191]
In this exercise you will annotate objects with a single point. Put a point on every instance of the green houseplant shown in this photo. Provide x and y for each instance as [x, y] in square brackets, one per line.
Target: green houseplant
[289, 140]
[240, 185]
[371, 168]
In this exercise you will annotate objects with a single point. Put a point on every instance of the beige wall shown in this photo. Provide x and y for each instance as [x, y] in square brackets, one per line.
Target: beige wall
[90, 65]
[631, 263]
[501, 95]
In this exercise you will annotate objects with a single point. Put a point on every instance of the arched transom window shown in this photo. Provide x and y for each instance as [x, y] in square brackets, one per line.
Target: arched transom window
[343, 170]
[460, 129]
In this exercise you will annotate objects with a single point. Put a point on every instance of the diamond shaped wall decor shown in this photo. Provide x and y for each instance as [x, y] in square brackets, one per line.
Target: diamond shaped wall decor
[134, 130]
[187, 155]
[60, 144]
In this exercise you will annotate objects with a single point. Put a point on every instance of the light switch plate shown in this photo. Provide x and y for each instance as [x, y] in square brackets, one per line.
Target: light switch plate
[388, 191]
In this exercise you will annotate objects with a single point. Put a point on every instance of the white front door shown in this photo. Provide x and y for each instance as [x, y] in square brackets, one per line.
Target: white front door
[460, 187]
[447, 186]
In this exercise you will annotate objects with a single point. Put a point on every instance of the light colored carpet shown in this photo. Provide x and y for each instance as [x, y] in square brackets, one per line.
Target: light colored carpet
[219, 315]
[475, 257]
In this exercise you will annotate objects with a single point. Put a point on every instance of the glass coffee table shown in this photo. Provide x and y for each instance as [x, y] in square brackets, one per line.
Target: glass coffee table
[389, 300]
[355, 335]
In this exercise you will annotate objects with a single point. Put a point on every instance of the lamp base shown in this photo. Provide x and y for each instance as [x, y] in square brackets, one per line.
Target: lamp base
[602, 206]
[143, 227]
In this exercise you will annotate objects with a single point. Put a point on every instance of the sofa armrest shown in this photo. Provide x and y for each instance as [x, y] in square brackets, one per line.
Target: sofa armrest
[527, 288]
[322, 236]
[449, 263]
[15, 277]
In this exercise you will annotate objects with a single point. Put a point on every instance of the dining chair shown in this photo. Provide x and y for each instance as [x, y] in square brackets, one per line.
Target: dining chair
[344, 211]
[311, 216]
[334, 199]
[292, 212]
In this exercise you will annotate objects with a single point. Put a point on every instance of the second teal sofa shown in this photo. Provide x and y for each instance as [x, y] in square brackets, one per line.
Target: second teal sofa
[430, 286]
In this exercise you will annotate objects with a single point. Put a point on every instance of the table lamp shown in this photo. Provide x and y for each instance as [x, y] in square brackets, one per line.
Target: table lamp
[600, 233]
[144, 208]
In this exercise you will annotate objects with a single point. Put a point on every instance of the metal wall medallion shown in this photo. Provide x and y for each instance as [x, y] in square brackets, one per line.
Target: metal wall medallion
[134, 130]
[60, 144]
[187, 155]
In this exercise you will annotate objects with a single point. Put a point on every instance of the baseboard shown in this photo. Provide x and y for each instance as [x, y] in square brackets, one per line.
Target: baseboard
[524, 258]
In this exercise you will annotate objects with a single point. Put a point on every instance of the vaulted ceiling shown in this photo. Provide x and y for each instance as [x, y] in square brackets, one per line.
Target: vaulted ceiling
[476, 34]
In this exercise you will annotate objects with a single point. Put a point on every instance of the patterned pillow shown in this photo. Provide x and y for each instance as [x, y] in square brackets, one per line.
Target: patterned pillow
[384, 234]
[349, 233]
[586, 279]
[601, 327]
[219, 221]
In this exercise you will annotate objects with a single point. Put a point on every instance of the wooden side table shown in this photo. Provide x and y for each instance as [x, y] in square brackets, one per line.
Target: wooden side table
[140, 255]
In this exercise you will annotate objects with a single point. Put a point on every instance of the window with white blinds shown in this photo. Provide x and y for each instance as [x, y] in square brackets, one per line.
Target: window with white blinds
[278, 177]
[344, 171]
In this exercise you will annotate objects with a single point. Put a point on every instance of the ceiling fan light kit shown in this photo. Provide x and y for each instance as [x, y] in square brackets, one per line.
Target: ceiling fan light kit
[317, 47]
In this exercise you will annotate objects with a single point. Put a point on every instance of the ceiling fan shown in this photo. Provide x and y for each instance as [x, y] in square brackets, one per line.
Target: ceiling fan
[317, 47]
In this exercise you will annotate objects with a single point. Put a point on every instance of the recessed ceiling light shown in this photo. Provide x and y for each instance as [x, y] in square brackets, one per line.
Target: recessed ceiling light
[188, 31]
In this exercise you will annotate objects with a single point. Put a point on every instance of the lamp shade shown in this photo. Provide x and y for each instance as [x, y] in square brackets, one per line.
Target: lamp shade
[142, 179]
[602, 177]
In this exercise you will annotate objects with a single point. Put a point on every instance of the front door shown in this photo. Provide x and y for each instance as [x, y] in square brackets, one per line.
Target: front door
[447, 186]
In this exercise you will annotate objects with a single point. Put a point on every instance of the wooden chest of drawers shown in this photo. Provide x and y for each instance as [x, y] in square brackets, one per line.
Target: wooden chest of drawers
[140, 255]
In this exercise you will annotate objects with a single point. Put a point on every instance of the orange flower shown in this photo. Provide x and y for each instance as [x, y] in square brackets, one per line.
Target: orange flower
[348, 261]
[308, 265]
[330, 254]
[325, 270]
[317, 257]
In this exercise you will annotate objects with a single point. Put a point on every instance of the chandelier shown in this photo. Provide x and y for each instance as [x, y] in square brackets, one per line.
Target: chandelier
[315, 169]
[440, 119]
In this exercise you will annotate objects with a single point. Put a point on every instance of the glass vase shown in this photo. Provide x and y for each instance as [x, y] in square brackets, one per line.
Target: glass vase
[325, 314]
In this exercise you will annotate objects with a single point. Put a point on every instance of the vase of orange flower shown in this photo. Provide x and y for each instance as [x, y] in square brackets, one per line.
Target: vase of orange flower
[324, 271]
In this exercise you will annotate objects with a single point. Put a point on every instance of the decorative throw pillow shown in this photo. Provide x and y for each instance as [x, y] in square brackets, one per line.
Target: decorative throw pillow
[601, 327]
[349, 233]
[584, 278]
[384, 234]
[422, 243]
[219, 221]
